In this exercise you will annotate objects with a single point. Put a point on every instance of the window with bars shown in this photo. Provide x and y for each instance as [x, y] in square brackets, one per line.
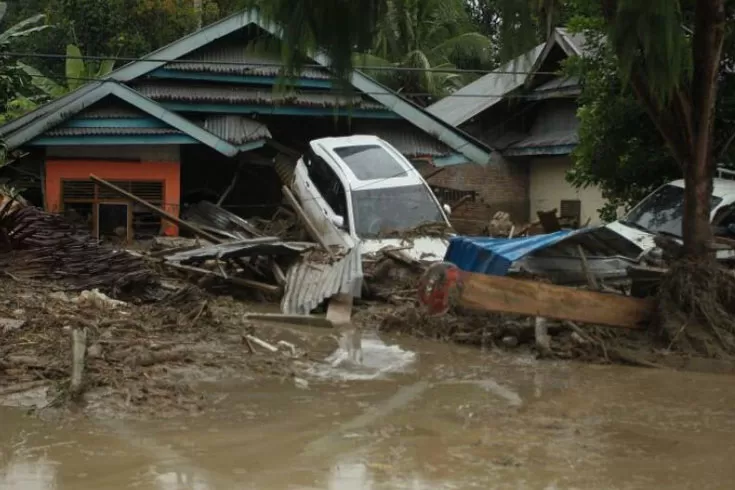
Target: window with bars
[83, 197]
[78, 190]
[571, 210]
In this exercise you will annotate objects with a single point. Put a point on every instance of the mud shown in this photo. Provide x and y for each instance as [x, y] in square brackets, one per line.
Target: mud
[141, 359]
[441, 416]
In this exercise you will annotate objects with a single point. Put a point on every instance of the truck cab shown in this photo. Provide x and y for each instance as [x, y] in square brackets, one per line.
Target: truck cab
[360, 189]
[662, 212]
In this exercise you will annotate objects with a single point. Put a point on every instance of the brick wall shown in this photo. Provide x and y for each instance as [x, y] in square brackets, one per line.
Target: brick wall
[501, 186]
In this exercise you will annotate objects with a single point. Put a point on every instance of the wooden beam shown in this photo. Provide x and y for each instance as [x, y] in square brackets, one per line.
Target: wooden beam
[506, 295]
[305, 220]
[238, 281]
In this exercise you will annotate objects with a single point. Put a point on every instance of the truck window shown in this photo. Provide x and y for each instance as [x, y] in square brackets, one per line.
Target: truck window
[327, 183]
[370, 162]
[663, 211]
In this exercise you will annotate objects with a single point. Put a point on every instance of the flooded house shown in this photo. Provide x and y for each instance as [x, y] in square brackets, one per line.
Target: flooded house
[204, 118]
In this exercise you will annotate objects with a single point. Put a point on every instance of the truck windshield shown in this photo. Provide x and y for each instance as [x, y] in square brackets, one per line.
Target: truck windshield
[393, 209]
[370, 162]
[663, 211]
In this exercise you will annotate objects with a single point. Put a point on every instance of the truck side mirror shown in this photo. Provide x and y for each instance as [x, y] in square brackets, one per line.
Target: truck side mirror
[338, 221]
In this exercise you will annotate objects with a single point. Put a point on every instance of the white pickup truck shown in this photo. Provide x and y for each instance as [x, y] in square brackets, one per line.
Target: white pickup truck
[662, 212]
[360, 188]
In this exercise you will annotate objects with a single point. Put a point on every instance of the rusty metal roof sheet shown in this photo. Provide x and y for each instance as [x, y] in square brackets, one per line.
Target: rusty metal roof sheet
[62, 131]
[213, 217]
[310, 282]
[406, 138]
[236, 129]
[237, 59]
[216, 94]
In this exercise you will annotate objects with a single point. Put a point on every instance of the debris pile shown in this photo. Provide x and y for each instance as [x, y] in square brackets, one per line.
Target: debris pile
[137, 357]
[38, 246]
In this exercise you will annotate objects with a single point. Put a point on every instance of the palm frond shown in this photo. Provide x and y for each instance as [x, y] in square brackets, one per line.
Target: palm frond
[647, 36]
[470, 45]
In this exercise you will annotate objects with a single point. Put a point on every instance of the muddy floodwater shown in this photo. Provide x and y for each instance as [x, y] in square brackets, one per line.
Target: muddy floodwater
[414, 416]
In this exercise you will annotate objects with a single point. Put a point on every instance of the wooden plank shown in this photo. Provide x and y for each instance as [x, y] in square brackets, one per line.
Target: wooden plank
[506, 295]
[315, 235]
[339, 311]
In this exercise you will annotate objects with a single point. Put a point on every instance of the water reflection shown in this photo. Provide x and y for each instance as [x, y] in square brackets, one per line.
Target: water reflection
[179, 480]
[26, 474]
[350, 476]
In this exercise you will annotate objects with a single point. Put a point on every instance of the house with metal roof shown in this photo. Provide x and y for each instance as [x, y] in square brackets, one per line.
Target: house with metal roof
[527, 113]
[175, 126]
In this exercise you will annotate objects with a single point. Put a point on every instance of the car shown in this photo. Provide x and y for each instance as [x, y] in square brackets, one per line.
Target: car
[662, 212]
[360, 189]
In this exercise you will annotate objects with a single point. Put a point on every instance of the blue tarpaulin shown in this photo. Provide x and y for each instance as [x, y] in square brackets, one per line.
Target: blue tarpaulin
[494, 256]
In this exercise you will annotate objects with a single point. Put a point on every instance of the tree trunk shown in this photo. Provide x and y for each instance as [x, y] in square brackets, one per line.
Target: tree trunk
[696, 228]
[707, 44]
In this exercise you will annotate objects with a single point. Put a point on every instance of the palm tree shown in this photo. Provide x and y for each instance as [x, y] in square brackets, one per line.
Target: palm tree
[674, 72]
[77, 73]
[425, 40]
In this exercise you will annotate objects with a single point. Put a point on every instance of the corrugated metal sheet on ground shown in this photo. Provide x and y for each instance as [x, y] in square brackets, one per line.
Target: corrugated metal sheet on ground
[242, 95]
[495, 255]
[213, 217]
[236, 129]
[309, 283]
[406, 138]
[237, 59]
[61, 131]
[270, 246]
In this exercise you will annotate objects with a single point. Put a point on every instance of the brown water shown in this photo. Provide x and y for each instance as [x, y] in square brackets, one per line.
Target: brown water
[458, 419]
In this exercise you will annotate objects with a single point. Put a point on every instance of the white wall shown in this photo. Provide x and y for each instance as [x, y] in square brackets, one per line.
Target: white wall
[548, 187]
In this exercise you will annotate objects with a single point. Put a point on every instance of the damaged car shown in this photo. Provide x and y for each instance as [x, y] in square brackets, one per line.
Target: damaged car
[360, 189]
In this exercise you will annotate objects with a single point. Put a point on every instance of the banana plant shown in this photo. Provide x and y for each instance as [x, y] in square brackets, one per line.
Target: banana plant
[21, 29]
[77, 73]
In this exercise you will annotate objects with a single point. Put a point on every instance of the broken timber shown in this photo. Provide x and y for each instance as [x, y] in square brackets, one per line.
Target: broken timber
[305, 220]
[522, 297]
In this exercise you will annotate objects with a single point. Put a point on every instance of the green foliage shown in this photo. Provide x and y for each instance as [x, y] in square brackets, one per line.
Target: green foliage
[16, 108]
[13, 80]
[428, 35]
[620, 151]
[78, 72]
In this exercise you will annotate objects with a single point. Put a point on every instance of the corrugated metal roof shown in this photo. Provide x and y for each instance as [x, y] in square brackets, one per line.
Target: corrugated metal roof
[62, 131]
[249, 62]
[309, 282]
[485, 92]
[556, 138]
[555, 125]
[213, 217]
[409, 140]
[244, 95]
[236, 129]
[560, 83]
[576, 42]
[271, 246]
[111, 110]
